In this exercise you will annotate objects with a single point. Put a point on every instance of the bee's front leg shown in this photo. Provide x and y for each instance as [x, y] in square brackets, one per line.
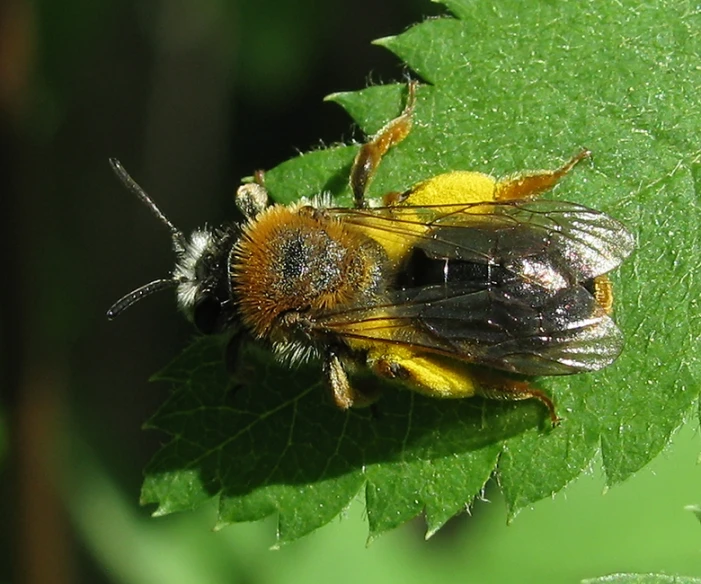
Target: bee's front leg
[370, 155]
[252, 198]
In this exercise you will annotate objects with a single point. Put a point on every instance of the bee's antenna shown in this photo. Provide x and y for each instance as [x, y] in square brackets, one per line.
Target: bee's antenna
[133, 186]
[135, 295]
[179, 244]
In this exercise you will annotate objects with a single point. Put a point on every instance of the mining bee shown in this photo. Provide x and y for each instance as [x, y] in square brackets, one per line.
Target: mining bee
[450, 287]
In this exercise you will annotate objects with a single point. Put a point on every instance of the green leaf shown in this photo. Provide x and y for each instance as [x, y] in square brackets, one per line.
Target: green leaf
[642, 579]
[512, 87]
[267, 440]
[695, 509]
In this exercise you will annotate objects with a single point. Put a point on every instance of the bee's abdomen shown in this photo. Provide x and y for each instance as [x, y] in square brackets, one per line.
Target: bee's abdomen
[420, 271]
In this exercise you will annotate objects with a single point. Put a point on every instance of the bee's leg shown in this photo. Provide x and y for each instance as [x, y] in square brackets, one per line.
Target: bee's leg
[345, 396]
[445, 378]
[259, 177]
[370, 155]
[602, 289]
[494, 386]
[529, 185]
[252, 198]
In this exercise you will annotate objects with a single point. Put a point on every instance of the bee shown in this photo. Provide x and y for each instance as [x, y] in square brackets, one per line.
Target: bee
[461, 285]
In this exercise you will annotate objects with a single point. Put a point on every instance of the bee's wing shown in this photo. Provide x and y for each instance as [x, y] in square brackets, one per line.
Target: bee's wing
[520, 327]
[539, 319]
[536, 240]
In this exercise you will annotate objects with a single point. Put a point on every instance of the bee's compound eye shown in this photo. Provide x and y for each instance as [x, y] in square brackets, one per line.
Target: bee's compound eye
[206, 313]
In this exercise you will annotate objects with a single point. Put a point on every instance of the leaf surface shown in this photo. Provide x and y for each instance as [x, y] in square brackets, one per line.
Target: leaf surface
[505, 88]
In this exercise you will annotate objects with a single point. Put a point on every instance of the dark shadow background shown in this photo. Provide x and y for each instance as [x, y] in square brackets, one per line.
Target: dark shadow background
[190, 96]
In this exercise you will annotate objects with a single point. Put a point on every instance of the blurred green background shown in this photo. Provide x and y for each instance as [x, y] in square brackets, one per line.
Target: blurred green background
[191, 96]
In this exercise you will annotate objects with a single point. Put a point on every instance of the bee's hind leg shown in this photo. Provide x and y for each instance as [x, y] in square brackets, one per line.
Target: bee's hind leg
[493, 386]
[531, 184]
[370, 154]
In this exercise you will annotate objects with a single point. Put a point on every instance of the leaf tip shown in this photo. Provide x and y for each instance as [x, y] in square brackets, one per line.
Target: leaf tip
[220, 524]
[431, 531]
[373, 534]
[161, 510]
[435, 521]
[384, 41]
[511, 512]
[149, 425]
[337, 97]
[695, 509]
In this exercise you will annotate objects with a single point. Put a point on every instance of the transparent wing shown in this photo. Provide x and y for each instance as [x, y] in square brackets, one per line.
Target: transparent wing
[518, 327]
[552, 243]
[535, 316]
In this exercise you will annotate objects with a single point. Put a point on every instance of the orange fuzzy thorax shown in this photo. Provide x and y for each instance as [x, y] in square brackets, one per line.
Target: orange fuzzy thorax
[295, 260]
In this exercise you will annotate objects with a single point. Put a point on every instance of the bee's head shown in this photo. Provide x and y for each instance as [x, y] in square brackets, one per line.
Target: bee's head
[201, 274]
[202, 278]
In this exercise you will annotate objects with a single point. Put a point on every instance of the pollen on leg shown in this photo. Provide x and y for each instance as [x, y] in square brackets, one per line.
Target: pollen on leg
[603, 293]
[531, 184]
